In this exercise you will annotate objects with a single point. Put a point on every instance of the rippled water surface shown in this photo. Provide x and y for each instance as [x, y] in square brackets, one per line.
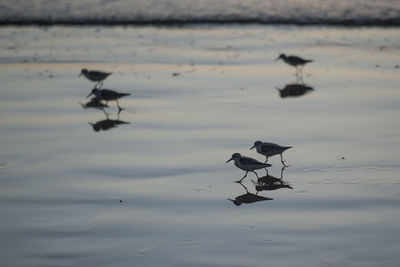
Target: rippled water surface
[149, 186]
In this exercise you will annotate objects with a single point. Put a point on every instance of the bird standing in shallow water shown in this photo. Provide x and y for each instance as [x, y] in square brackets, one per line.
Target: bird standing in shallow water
[107, 95]
[95, 76]
[294, 61]
[270, 149]
[247, 164]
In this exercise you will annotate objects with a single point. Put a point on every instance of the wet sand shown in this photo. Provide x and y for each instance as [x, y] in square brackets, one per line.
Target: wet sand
[154, 190]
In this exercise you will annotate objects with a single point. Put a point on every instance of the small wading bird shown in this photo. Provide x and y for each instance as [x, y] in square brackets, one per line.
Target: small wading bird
[247, 164]
[107, 95]
[95, 76]
[294, 61]
[270, 149]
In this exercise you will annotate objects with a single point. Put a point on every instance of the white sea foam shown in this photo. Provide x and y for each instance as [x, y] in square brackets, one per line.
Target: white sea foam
[356, 12]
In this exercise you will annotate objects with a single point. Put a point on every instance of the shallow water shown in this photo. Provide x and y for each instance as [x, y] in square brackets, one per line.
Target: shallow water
[198, 94]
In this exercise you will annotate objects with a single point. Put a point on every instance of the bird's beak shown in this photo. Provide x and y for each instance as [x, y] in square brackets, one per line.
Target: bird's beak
[231, 200]
[229, 160]
[252, 147]
[91, 93]
[277, 58]
[278, 89]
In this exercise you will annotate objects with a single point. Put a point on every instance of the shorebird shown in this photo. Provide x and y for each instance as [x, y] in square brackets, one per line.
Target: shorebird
[107, 95]
[95, 76]
[294, 61]
[247, 164]
[270, 149]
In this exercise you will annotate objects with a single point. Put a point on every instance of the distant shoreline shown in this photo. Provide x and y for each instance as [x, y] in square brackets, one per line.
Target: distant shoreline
[183, 22]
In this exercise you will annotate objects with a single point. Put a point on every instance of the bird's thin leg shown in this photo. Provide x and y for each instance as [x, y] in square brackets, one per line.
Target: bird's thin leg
[283, 162]
[119, 108]
[105, 113]
[239, 181]
[282, 172]
[266, 170]
[255, 174]
[266, 159]
[245, 188]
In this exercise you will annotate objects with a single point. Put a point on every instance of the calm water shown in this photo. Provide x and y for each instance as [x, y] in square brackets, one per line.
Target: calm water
[198, 94]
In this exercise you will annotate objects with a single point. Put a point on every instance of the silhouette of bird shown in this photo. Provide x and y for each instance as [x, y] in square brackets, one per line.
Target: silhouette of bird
[95, 75]
[294, 61]
[107, 95]
[247, 164]
[294, 90]
[248, 198]
[106, 124]
[270, 149]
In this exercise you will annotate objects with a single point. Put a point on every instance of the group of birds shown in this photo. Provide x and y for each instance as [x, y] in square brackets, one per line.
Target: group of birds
[248, 164]
[102, 94]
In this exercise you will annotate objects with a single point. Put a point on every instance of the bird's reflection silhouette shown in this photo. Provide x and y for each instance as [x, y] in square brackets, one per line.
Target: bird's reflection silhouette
[107, 124]
[248, 197]
[100, 100]
[269, 183]
[94, 103]
[294, 90]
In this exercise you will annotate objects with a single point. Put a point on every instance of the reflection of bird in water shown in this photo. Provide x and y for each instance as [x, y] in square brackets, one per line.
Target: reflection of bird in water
[270, 149]
[248, 198]
[95, 75]
[106, 124]
[94, 103]
[269, 187]
[294, 61]
[107, 95]
[296, 89]
[247, 164]
[269, 182]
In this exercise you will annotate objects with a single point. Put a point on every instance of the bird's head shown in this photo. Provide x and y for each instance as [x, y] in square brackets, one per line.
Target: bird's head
[256, 143]
[236, 202]
[93, 92]
[281, 56]
[83, 71]
[234, 156]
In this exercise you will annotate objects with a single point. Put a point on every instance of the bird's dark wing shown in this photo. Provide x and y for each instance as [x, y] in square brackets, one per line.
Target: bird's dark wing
[267, 147]
[246, 160]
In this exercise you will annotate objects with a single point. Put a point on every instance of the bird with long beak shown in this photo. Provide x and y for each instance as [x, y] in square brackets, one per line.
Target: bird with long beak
[247, 164]
[294, 61]
[107, 95]
[270, 149]
[95, 75]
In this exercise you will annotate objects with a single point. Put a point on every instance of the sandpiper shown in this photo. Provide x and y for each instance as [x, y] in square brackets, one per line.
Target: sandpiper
[270, 149]
[95, 75]
[107, 95]
[247, 164]
[294, 61]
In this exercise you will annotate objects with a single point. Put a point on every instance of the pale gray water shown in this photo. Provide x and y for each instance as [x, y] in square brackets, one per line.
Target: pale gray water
[198, 95]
